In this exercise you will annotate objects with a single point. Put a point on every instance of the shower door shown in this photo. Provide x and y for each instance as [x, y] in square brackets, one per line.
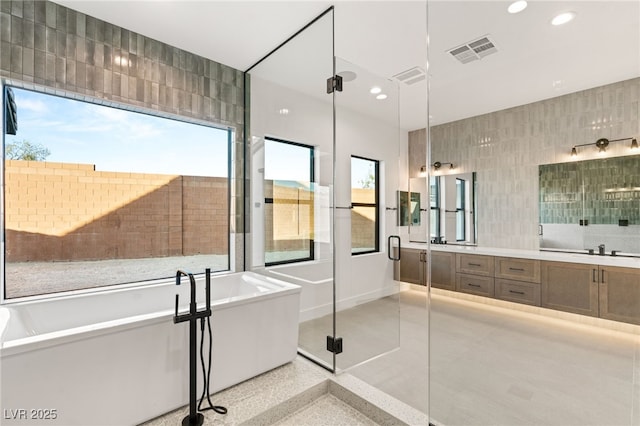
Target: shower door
[307, 136]
[367, 179]
[289, 160]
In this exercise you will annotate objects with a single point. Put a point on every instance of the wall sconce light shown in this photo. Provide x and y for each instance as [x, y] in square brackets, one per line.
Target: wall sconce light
[438, 164]
[423, 171]
[603, 143]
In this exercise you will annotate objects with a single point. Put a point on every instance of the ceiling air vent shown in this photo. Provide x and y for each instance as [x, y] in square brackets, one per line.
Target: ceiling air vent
[474, 50]
[411, 76]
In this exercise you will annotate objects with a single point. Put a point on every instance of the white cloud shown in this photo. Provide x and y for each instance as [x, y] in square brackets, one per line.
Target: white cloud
[35, 106]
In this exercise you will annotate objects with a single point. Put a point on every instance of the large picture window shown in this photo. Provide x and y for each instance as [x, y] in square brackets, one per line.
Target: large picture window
[289, 214]
[460, 210]
[96, 196]
[364, 202]
[434, 203]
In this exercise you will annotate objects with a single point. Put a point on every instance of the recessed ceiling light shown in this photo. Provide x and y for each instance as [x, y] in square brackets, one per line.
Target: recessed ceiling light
[517, 6]
[347, 75]
[563, 18]
[375, 90]
[381, 96]
[283, 111]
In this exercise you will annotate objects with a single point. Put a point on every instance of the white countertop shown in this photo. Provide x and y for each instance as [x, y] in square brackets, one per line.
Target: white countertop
[554, 256]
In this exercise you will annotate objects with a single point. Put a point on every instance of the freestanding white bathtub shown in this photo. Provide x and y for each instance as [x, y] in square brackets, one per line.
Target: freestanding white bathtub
[117, 358]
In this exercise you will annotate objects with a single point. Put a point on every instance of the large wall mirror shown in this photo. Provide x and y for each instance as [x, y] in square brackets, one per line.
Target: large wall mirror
[452, 209]
[591, 204]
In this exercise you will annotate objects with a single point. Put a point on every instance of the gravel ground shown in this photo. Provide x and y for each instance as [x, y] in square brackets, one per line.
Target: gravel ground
[32, 278]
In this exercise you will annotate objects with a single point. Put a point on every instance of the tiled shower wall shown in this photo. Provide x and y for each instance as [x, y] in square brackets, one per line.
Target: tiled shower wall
[506, 147]
[48, 47]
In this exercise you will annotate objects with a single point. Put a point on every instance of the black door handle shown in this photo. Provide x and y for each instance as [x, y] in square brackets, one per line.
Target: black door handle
[389, 252]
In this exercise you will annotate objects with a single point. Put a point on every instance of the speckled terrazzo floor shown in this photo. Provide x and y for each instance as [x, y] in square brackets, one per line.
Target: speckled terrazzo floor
[301, 393]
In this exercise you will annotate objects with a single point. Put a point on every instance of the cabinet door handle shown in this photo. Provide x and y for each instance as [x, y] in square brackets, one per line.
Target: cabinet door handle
[474, 264]
[602, 276]
[516, 269]
[517, 292]
[473, 285]
[594, 277]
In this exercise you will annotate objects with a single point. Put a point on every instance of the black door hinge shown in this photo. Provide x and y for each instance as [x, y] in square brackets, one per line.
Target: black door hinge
[334, 83]
[334, 345]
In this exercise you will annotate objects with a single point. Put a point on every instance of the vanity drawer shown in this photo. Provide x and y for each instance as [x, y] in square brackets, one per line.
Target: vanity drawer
[518, 291]
[474, 264]
[474, 284]
[518, 269]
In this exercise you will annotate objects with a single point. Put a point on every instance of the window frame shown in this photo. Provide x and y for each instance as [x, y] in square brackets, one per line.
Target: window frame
[437, 208]
[100, 102]
[461, 208]
[376, 205]
[312, 178]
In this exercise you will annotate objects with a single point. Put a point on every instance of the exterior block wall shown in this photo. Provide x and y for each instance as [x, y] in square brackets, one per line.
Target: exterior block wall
[65, 212]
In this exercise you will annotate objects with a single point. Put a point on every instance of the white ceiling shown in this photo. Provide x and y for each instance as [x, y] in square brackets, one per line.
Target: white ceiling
[535, 60]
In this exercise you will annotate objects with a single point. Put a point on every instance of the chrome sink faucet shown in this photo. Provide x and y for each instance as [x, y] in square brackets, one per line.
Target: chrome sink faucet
[601, 250]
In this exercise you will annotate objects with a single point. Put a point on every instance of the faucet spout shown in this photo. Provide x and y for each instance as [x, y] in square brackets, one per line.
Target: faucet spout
[180, 273]
[193, 306]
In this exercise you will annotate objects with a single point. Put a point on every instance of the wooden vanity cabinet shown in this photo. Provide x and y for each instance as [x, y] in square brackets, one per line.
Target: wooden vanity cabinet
[475, 264]
[517, 280]
[619, 294]
[412, 268]
[443, 270]
[518, 291]
[517, 269]
[474, 274]
[570, 287]
[596, 290]
[475, 284]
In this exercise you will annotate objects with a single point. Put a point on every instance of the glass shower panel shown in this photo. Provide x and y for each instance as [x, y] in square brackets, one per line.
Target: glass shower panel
[290, 162]
[367, 177]
[524, 336]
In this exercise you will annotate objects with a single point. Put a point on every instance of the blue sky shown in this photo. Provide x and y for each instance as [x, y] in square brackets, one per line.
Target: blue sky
[118, 140]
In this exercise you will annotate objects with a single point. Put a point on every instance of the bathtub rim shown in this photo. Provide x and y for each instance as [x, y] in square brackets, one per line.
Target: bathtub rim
[59, 337]
[276, 270]
[68, 294]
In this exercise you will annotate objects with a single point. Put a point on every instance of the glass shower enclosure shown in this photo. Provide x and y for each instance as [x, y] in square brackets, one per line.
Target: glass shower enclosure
[320, 198]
